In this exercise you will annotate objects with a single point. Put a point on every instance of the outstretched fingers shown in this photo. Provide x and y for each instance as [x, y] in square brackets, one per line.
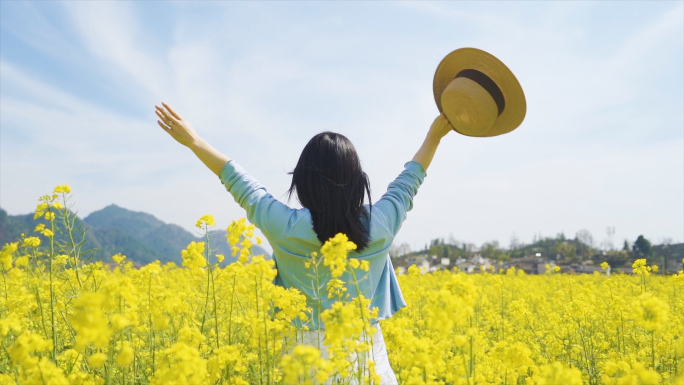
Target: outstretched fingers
[171, 110]
[163, 118]
[167, 129]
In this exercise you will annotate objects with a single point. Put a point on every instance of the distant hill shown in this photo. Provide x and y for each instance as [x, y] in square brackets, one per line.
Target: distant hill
[139, 236]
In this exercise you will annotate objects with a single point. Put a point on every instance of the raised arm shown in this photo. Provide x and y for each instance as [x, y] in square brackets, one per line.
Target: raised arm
[271, 216]
[440, 127]
[183, 132]
[398, 199]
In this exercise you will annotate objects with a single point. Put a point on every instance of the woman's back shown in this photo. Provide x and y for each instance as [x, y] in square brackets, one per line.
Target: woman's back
[291, 234]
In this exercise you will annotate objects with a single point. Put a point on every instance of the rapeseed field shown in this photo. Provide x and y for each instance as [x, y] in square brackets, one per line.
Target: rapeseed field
[65, 321]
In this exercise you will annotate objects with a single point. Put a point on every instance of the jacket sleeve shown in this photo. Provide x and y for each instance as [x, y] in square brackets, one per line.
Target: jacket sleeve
[398, 199]
[264, 211]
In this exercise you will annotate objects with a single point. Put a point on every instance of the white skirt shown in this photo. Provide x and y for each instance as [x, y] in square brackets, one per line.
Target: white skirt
[382, 365]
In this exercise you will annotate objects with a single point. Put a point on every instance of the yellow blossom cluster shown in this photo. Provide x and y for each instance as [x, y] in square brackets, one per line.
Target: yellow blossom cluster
[193, 256]
[237, 230]
[64, 188]
[206, 220]
[640, 267]
[549, 269]
[335, 254]
[305, 366]
[6, 255]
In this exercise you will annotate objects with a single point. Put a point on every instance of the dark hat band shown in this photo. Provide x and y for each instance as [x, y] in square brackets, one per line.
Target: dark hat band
[488, 84]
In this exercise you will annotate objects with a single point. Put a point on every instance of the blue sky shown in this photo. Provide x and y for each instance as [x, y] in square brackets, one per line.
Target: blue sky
[602, 144]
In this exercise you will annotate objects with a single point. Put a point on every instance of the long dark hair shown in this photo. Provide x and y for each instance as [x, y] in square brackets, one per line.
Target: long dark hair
[330, 183]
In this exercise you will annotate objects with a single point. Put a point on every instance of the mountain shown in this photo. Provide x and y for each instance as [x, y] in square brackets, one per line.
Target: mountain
[141, 237]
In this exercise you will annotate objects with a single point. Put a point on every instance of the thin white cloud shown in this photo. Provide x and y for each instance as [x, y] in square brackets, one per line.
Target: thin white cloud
[37, 27]
[636, 54]
[112, 32]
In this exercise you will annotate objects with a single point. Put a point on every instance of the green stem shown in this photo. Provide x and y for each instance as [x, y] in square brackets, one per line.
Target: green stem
[675, 362]
[265, 333]
[4, 280]
[206, 299]
[149, 299]
[319, 302]
[363, 318]
[472, 360]
[230, 313]
[256, 294]
[52, 289]
[213, 287]
[109, 368]
[503, 328]
[653, 349]
[70, 228]
[40, 302]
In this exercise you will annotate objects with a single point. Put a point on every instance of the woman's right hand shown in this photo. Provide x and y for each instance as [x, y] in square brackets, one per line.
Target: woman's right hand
[440, 127]
[179, 128]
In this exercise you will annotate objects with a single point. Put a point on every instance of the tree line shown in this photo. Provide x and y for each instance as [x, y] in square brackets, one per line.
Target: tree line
[560, 249]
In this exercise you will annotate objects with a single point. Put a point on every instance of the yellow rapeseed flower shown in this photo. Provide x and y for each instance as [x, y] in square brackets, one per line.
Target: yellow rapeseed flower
[180, 364]
[90, 321]
[6, 255]
[639, 267]
[61, 260]
[40, 210]
[26, 344]
[64, 188]
[297, 367]
[118, 258]
[336, 288]
[335, 252]
[126, 355]
[237, 229]
[244, 256]
[31, 242]
[207, 220]
[21, 261]
[650, 312]
[193, 255]
[97, 360]
[558, 373]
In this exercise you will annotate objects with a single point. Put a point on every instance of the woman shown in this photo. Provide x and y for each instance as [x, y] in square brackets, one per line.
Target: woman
[331, 186]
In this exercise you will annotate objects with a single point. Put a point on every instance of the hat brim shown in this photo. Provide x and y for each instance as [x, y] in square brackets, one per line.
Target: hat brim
[472, 58]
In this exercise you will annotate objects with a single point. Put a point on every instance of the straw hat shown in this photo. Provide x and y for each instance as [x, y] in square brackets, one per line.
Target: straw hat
[478, 94]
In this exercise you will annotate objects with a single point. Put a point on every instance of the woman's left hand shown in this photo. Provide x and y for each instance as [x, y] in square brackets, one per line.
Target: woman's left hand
[440, 127]
[179, 128]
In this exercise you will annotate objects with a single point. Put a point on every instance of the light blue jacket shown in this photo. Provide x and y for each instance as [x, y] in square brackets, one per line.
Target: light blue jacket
[290, 233]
